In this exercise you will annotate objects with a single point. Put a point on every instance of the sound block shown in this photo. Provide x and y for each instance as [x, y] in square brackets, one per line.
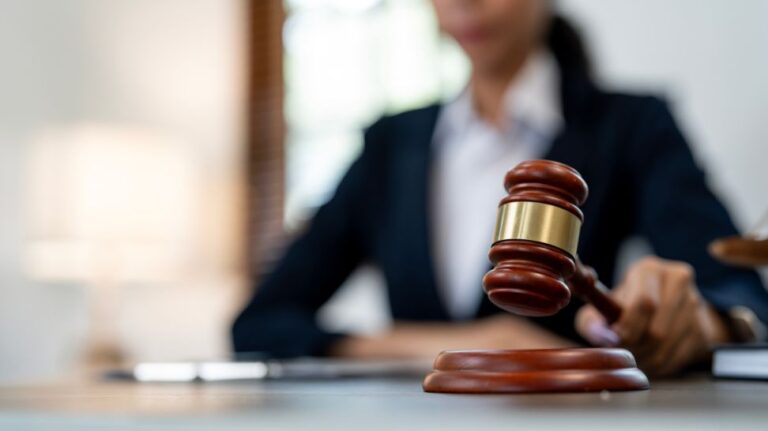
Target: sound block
[531, 371]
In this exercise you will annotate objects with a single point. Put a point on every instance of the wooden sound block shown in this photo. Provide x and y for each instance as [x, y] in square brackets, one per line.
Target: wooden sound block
[529, 371]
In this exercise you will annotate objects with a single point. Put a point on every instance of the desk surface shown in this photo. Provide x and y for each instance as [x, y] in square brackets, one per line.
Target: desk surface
[372, 404]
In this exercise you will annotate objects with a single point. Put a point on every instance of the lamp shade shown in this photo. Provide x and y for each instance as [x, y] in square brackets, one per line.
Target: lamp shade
[97, 189]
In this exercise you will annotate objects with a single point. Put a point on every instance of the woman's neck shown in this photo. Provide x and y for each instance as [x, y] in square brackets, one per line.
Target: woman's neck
[488, 86]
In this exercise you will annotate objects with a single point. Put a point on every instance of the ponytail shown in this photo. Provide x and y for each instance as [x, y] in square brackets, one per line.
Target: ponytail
[567, 46]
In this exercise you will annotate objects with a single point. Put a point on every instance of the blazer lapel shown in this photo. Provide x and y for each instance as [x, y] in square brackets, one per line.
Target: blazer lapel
[570, 146]
[414, 215]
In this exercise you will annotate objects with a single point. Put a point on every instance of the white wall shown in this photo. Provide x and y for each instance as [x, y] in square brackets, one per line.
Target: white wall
[710, 59]
[170, 66]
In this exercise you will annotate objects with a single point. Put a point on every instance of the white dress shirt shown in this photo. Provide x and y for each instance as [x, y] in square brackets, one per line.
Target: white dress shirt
[471, 158]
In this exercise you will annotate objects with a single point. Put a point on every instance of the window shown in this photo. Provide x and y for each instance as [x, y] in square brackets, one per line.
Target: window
[347, 62]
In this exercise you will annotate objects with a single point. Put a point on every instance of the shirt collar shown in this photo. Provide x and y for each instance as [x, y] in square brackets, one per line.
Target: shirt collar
[531, 100]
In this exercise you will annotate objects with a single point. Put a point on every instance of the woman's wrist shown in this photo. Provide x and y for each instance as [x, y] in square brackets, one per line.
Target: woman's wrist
[421, 340]
[357, 347]
[409, 340]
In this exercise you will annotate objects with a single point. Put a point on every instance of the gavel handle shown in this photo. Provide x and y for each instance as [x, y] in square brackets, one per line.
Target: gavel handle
[585, 284]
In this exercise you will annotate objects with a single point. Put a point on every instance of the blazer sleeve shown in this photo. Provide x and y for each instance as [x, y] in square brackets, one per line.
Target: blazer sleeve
[279, 320]
[680, 215]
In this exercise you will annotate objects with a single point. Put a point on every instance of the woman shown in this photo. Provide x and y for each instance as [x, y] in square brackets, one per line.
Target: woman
[420, 204]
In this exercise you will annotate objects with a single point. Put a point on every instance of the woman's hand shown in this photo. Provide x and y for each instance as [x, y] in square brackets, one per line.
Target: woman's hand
[665, 322]
[426, 340]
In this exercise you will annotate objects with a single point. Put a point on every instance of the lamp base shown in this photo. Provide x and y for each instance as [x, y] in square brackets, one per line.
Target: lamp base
[531, 371]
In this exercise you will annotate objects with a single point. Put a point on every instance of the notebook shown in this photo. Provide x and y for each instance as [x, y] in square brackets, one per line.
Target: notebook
[747, 361]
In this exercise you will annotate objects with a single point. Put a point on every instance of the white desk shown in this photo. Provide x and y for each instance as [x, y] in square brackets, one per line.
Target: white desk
[366, 405]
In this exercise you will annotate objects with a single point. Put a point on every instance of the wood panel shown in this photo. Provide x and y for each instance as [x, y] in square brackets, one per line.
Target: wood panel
[266, 131]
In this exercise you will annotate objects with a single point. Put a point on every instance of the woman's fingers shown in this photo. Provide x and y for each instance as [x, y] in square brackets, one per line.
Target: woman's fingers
[640, 298]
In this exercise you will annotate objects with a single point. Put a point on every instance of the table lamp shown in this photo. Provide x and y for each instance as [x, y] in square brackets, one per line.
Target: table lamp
[107, 206]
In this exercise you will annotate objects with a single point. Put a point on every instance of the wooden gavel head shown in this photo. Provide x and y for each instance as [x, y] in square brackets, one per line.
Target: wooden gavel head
[534, 249]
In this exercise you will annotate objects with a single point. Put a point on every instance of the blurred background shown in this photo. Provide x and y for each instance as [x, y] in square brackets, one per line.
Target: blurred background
[156, 155]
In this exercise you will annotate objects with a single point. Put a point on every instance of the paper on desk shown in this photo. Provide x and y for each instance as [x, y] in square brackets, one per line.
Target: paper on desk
[307, 368]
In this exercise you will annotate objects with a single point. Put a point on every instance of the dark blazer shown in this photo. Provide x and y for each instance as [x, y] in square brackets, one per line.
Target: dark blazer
[643, 181]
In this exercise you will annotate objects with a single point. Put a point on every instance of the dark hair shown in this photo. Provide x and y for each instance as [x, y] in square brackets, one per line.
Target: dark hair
[566, 44]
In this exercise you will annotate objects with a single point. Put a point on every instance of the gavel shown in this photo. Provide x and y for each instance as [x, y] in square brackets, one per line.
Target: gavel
[536, 268]
[535, 272]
